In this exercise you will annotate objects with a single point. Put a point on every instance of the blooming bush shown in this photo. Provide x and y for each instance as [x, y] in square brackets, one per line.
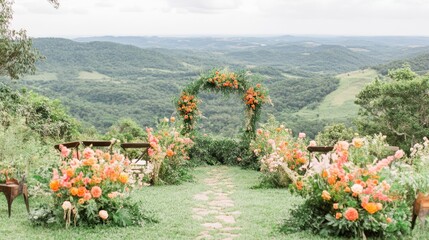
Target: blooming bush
[354, 191]
[168, 153]
[277, 150]
[93, 187]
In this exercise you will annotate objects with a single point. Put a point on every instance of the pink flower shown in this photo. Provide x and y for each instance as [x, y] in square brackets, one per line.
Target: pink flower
[87, 196]
[301, 135]
[150, 152]
[342, 146]
[103, 214]
[313, 143]
[64, 151]
[399, 154]
[259, 131]
[88, 153]
[96, 191]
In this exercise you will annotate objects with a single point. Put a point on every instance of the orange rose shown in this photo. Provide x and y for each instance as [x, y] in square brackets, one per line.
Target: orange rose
[96, 191]
[371, 207]
[73, 191]
[299, 185]
[87, 196]
[70, 172]
[170, 153]
[81, 191]
[81, 201]
[326, 196]
[347, 189]
[388, 220]
[96, 180]
[335, 206]
[351, 214]
[338, 215]
[123, 178]
[89, 161]
[324, 173]
[54, 185]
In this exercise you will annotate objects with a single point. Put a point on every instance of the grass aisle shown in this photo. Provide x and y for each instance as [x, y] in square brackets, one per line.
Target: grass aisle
[219, 204]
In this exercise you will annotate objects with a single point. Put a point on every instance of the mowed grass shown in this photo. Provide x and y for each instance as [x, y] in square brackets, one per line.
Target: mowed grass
[339, 105]
[262, 212]
[42, 76]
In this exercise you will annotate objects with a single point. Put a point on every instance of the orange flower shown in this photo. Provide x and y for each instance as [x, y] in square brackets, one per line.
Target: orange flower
[335, 206]
[338, 215]
[107, 157]
[299, 185]
[371, 207]
[81, 191]
[89, 162]
[326, 196]
[70, 172]
[379, 206]
[96, 180]
[347, 189]
[388, 220]
[170, 153]
[324, 173]
[96, 191]
[123, 178]
[351, 214]
[332, 180]
[54, 185]
[81, 201]
[73, 191]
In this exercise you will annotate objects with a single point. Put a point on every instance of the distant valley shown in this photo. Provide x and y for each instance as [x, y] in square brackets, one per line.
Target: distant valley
[312, 80]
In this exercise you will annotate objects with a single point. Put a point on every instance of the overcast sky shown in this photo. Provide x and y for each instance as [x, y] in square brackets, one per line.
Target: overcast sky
[222, 17]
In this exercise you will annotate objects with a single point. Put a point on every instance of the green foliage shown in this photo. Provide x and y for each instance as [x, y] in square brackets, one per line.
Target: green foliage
[46, 117]
[17, 57]
[21, 150]
[397, 108]
[334, 133]
[126, 130]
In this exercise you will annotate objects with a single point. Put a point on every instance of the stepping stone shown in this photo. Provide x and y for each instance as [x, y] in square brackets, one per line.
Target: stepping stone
[216, 225]
[229, 229]
[201, 197]
[235, 213]
[226, 218]
[222, 203]
[204, 211]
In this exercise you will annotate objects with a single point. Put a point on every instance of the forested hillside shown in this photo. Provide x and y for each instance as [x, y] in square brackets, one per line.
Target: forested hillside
[102, 82]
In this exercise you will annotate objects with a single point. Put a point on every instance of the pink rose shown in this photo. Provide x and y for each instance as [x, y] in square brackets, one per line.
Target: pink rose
[313, 143]
[399, 154]
[103, 214]
[301, 135]
[357, 188]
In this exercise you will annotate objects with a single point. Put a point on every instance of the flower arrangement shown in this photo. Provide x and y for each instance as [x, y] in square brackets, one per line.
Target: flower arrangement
[277, 150]
[168, 152]
[224, 79]
[188, 108]
[93, 187]
[353, 192]
[254, 96]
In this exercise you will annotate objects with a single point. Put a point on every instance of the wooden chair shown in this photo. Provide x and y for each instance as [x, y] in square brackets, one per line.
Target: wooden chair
[74, 145]
[97, 144]
[11, 191]
[137, 164]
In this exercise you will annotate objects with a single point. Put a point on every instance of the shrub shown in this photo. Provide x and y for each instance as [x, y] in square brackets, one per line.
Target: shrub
[355, 191]
[92, 188]
[215, 151]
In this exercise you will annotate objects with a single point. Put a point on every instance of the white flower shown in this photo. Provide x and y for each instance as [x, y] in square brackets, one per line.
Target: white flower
[67, 205]
[357, 188]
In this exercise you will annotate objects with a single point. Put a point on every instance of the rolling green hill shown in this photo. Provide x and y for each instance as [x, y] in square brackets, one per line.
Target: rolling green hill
[101, 82]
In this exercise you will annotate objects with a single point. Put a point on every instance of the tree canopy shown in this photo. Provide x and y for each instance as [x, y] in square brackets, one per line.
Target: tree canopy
[397, 107]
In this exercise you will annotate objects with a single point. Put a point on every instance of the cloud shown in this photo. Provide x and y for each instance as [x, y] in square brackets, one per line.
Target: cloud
[204, 6]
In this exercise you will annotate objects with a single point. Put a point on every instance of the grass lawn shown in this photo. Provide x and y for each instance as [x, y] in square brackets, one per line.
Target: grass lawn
[261, 212]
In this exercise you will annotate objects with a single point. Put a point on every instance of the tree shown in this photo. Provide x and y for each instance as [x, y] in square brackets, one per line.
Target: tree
[17, 57]
[397, 107]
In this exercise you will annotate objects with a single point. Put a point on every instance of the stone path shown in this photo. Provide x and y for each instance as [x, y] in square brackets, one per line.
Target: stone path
[215, 209]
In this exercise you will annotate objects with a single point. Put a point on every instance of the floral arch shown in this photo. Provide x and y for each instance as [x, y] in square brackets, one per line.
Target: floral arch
[223, 81]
